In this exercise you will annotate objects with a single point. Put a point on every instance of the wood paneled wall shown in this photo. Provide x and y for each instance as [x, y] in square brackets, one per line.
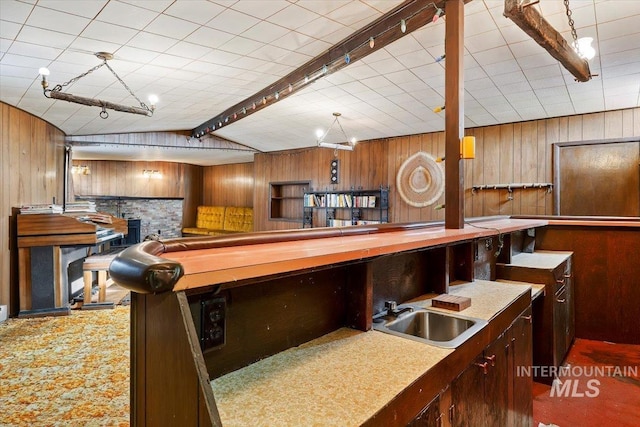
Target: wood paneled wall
[31, 170]
[510, 153]
[219, 180]
[120, 178]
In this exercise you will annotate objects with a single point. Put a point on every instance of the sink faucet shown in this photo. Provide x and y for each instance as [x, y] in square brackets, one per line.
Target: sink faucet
[392, 310]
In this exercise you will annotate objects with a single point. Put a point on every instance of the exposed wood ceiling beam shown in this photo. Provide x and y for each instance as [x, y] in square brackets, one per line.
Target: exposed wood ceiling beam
[534, 24]
[384, 30]
[177, 140]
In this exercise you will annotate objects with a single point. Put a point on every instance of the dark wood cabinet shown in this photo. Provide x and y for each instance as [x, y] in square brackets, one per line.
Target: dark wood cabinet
[430, 416]
[553, 313]
[495, 390]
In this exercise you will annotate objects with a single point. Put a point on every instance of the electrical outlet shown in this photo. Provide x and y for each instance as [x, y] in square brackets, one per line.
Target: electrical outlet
[212, 317]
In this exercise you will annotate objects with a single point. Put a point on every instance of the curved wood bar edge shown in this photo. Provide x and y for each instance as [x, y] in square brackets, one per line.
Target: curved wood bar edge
[141, 268]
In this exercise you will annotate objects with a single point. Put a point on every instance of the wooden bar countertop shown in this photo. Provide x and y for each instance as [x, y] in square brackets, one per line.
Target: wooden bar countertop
[227, 265]
[345, 377]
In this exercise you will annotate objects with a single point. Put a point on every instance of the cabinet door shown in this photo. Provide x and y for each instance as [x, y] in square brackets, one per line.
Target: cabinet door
[521, 405]
[467, 397]
[429, 416]
[560, 328]
[496, 386]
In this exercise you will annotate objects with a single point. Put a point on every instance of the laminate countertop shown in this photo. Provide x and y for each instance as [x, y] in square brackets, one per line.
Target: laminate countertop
[345, 377]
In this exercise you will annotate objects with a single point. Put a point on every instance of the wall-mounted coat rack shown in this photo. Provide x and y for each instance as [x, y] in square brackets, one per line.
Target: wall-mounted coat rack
[510, 187]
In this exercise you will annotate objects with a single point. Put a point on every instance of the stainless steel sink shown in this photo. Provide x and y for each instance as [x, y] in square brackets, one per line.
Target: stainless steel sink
[431, 327]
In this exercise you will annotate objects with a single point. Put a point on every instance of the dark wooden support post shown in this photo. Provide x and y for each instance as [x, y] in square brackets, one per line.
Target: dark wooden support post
[454, 114]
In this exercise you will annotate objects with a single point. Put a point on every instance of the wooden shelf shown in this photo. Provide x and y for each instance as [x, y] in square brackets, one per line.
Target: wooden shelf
[286, 200]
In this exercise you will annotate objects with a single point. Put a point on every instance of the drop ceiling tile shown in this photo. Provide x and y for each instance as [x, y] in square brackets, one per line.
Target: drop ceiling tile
[87, 9]
[108, 32]
[43, 37]
[188, 50]
[484, 41]
[426, 72]
[402, 76]
[352, 13]
[543, 72]
[557, 110]
[520, 96]
[28, 49]
[477, 23]
[9, 30]
[618, 28]
[292, 40]
[15, 11]
[533, 61]
[232, 22]
[196, 11]
[605, 12]
[126, 15]
[548, 82]
[170, 26]
[493, 56]
[153, 70]
[133, 54]
[25, 64]
[293, 17]
[527, 48]
[512, 33]
[500, 68]
[154, 42]
[491, 101]
[265, 32]
[155, 5]
[507, 117]
[411, 60]
[170, 61]
[589, 106]
[403, 46]
[621, 101]
[314, 48]
[209, 37]
[259, 8]
[490, 92]
[430, 36]
[621, 70]
[321, 27]
[474, 74]
[57, 21]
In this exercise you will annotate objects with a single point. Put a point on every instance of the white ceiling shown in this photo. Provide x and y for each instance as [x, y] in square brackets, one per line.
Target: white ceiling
[202, 57]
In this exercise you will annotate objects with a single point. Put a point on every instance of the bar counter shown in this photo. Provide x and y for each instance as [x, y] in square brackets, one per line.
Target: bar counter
[345, 377]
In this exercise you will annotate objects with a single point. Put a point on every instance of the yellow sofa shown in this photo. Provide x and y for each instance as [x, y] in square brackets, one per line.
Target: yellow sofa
[216, 220]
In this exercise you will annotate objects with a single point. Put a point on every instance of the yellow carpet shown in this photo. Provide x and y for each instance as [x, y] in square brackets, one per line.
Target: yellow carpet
[66, 371]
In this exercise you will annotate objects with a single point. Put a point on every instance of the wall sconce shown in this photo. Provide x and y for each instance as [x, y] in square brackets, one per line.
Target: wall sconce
[57, 93]
[351, 142]
[80, 170]
[149, 173]
[468, 147]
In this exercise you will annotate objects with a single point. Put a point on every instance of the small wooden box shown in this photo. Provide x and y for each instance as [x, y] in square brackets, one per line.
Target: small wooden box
[451, 302]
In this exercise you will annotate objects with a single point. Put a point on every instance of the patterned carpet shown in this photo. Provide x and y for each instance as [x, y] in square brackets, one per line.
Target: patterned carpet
[66, 371]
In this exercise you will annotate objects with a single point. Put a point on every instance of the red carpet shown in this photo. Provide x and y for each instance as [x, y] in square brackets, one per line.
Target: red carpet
[601, 389]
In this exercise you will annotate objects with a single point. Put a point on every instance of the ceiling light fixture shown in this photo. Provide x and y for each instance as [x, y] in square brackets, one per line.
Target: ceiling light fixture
[583, 48]
[56, 92]
[351, 142]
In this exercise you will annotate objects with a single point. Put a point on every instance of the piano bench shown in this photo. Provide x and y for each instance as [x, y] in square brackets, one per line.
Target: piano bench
[100, 264]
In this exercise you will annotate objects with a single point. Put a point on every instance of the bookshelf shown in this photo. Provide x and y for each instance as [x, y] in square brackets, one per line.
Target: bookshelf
[286, 200]
[344, 208]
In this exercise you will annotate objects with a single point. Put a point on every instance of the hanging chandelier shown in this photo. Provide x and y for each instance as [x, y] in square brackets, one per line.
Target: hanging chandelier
[351, 142]
[57, 93]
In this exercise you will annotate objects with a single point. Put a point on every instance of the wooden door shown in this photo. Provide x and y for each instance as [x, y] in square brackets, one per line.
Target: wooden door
[600, 179]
